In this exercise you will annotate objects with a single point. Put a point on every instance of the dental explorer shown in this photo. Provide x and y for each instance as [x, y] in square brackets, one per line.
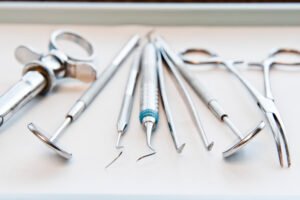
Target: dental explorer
[210, 101]
[42, 72]
[191, 105]
[165, 104]
[126, 108]
[149, 91]
[86, 99]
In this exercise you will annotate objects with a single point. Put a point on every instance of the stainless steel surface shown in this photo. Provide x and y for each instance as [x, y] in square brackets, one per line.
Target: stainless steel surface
[165, 103]
[244, 140]
[40, 75]
[189, 102]
[149, 89]
[31, 84]
[108, 73]
[40, 134]
[90, 94]
[72, 37]
[205, 95]
[265, 103]
[76, 110]
[149, 97]
[126, 108]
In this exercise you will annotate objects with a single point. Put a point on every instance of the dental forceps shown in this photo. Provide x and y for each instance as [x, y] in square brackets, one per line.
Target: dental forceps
[265, 103]
[209, 100]
[85, 100]
[271, 112]
[271, 61]
[42, 72]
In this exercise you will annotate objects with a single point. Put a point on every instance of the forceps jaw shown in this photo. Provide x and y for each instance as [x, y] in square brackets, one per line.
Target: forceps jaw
[279, 137]
[243, 141]
[46, 140]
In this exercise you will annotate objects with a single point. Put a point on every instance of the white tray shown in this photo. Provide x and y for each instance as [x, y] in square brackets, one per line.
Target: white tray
[29, 171]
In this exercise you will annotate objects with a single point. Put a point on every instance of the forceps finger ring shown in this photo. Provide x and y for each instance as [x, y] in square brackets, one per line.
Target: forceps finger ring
[277, 51]
[184, 55]
[75, 38]
[212, 57]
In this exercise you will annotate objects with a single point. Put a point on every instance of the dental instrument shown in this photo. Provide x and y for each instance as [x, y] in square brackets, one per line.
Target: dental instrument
[267, 102]
[85, 100]
[165, 104]
[42, 72]
[149, 115]
[189, 101]
[210, 101]
[126, 108]
[264, 102]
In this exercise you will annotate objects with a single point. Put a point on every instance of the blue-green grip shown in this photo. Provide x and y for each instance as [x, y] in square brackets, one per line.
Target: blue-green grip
[149, 113]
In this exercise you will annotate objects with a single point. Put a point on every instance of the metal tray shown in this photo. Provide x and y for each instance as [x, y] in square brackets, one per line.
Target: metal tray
[247, 31]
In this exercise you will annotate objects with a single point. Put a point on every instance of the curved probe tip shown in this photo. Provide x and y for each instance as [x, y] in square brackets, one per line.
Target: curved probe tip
[114, 160]
[149, 127]
[210, 146]
[179, 149]
[145, 156]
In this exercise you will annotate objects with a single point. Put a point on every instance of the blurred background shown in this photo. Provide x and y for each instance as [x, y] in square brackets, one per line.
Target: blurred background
[200, 1]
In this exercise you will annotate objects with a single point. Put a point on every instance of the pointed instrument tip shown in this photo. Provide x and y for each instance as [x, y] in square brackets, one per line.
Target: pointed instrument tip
[179, 149]
[210, 146]
[145, 156]
[149, 34]
[149, 127]
[118, 145]
[114, 160]
[31, 127]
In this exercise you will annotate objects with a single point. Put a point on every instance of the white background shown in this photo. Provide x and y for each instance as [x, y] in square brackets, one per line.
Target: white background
[29, 167]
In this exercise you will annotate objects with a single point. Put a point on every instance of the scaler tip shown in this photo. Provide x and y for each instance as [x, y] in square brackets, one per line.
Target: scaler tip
[179, 149]
[149, 127]
[118, 145]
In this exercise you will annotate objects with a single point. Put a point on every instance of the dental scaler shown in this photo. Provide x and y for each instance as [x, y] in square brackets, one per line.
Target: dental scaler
[149, 91]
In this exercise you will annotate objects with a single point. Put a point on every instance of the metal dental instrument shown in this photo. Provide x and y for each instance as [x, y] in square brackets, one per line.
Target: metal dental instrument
[85, 100]
[165, 104]
[265, 103]
[126, 109]
[192, 107]
[210, 101]
[149, 91]
[43, 71]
